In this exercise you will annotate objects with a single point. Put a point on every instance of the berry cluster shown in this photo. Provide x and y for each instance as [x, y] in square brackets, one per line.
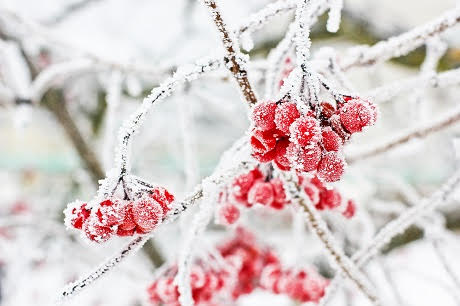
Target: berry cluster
[114, 216]
[308, 142]
[247, 266]
[254, 188]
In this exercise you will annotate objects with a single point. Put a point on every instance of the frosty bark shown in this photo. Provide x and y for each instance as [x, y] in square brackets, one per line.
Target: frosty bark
[232, 54]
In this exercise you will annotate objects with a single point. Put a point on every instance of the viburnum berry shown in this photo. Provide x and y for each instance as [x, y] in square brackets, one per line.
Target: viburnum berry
[263, 141]
[243, 183]
[127, 223]
[331, 167]
[263, 115]
[329, 198]
[312, 192]
[279, 199]
[264, 157]
[123, 233]
[79, 216]
[95, 231]
[147, 213]
[357, 114]
[286, 113]
[327, 110]
[110, 212]
[162, 196]
[304, 159]
[281, 159]
[331, 140]
[350, 209]
[228, 214]
[305, 130]
[261, 193]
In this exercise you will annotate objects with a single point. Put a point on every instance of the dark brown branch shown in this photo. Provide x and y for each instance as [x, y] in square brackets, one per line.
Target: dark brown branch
[232, 54]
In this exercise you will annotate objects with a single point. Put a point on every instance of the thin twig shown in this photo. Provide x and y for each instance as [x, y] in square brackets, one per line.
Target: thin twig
[233, 55]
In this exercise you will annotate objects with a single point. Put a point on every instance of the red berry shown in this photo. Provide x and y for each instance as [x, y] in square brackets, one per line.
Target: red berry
[327, 110]
[263, 141]
[124, 233]
[279, 199]
[261, 193]
[312, 192]
[331, 167]
[350, 210]
[147, 213]
[356, 114]
[329, 199]
[110, 213]
[79, 216]
[305, 130]
[331, 140]
[244, 182]
[304, 159]
[127, 223]
[162, 196]
[228, 214]
[264, 157]
[96, 232]
[263, 115]
[286, 113]
[281, 159]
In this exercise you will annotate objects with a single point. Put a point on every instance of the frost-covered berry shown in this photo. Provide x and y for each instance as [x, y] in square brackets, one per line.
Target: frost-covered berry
[331, 140]
[312, 191]
[147, 213]
[95, 231]
[304, 159]
[243, 183]
[127, 223]
[305, 130]
[279, 199]
[110, 212]
[79, 215]
[124, 233]
[357, 114]
[350, 209]
[285, 114]
[327, 110]
[329, 199]
[162, 196]
[261, 193]
[228, 214]
[263, 115]
[331, 167]
[281, 159]
[263, 141]
[265, 157]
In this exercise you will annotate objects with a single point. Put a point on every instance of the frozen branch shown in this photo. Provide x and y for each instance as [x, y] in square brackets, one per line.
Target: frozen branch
[400, 45]
[419, 132]
[236, 63]
[320, 229]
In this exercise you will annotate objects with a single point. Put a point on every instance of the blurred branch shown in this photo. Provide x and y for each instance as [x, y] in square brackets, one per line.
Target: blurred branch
[70, 10]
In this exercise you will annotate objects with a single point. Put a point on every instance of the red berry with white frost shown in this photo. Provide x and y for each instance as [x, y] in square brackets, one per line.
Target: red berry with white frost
[304, 159]
[261, 193]
[331, 167]
[281, 159]
[263, 141]
[286, 113]
[162, 196]
[305, 130]
[331, 140]
[357, 114]
[263, 115]
[147, 213]
[228, 214]
[110, 212]
[95, 231]
[243, 183]
[79, 216]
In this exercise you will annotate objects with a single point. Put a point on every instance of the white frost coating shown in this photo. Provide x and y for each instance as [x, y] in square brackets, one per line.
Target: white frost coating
[402, 44]
[56, 72]
[199, 223]
[14, 69]
[333, 21]
[386, 92]
[113, 100]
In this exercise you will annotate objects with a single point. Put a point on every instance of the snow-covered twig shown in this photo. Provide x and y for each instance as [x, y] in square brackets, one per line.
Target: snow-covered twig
[419, 132]
[234, 59]
[320, 229]
[402, 44]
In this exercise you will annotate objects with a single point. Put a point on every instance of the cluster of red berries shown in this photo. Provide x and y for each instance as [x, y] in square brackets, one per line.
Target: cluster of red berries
[308, 142]
[254, 188]
[114, 216]
[247, 266]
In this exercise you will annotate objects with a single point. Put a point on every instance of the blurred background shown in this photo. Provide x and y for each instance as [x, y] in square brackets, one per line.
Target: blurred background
[55, 150]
